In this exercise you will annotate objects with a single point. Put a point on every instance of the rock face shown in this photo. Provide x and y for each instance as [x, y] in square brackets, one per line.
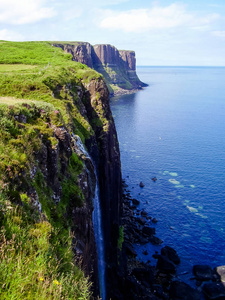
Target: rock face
[80, 51]
[106, 55]
[182, 291]
[117, 67]
[107, 159]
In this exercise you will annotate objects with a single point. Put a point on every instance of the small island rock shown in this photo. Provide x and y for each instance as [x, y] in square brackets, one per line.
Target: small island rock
[141, 184]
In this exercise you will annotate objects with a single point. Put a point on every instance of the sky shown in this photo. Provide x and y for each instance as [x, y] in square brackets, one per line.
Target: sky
[161, 32]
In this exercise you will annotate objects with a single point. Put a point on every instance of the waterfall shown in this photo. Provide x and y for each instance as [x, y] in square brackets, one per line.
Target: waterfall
[97, 223]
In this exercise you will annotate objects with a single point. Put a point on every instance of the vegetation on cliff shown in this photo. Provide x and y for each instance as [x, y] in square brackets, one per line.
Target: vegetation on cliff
[39, 107]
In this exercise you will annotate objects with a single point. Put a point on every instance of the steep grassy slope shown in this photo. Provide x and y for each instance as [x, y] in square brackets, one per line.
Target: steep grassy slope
[40, 172]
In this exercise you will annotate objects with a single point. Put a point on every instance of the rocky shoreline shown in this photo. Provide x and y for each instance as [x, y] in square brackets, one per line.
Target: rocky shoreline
[121, 92]
[141, 280]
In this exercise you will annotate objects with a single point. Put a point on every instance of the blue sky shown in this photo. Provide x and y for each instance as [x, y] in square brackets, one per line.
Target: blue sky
[161, 32]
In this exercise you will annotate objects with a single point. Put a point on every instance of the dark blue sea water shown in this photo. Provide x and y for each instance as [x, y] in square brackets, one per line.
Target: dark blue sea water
[175, 130]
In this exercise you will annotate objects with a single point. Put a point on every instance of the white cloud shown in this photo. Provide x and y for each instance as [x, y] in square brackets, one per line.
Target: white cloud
[72, 14]
[219, 33]
[24, 11]
[108, 2]
[9, 35]
[139, 20]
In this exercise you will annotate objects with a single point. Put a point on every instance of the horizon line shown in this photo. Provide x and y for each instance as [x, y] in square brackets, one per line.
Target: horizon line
[178, 66]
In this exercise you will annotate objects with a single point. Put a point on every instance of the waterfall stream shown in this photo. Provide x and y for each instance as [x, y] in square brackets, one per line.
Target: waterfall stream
[97, 223]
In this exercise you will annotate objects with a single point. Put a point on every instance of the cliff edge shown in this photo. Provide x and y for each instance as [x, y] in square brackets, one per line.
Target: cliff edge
[117, 66]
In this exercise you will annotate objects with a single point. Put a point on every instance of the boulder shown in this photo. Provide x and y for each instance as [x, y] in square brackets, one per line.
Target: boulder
[155, 240]
[171, 254]
[141, 221]
[203, 272]
[165, 265]
[143, 240]
[154, 179]
[221, 273]
[135, 202]
[154, 220]
[144, 213]
[182, 291]
[141, 184]
[214, 291]
[148, 230]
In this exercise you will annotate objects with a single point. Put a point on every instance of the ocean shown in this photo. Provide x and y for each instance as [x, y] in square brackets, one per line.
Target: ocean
[174, 130]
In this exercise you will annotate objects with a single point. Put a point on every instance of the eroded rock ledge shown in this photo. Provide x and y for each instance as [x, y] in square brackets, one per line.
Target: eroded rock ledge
[117, 66]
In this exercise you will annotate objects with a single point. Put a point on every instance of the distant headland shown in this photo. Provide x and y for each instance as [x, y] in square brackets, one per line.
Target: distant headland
[117, 66]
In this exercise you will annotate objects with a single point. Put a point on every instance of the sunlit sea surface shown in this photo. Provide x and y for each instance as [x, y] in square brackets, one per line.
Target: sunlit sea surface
[174, 130]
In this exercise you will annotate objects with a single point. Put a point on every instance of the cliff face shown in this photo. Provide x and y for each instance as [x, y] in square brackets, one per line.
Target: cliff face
[80, 51]
[106, 55]
[117, 67]
[107, 157]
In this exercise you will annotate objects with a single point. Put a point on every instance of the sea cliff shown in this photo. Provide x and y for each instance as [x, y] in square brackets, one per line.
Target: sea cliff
[117, 66]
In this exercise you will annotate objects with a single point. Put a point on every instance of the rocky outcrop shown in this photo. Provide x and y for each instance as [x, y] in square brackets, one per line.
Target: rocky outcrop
[80, 51]
[117, 67]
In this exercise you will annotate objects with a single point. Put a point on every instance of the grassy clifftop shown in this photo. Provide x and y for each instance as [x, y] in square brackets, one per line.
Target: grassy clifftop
[39, 94]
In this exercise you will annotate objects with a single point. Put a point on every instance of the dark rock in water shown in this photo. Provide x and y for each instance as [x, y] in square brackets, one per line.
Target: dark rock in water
[148, 230]
[165, 265]
[203, 272]
[155, 256]
[220, 271]
[145, 252]
[171, 254]
[141, 221]
[135, 202]
[141, 184]
[144, 213]
[182, 291]
[130, 250]
[155, 240]
[214, 291]
[154, 220]
[154, 179]
[143, 240]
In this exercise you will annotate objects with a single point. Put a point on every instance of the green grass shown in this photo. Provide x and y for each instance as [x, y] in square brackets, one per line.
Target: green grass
[121, 238]
[15, 67]
[34, 265]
